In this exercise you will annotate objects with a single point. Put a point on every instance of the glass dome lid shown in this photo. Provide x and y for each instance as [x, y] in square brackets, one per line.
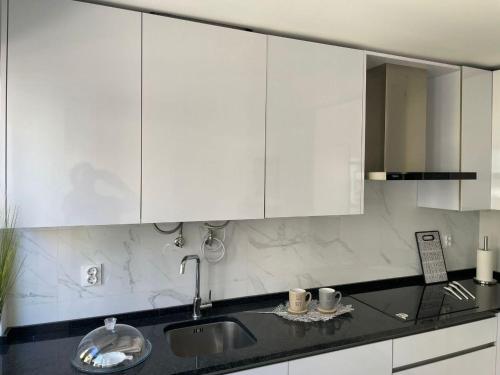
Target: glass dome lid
[113, 347]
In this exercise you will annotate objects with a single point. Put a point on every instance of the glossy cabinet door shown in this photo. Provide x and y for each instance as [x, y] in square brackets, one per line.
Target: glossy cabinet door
[459, 135]
[73, 113]
[203, 122]
[497, 366]
[495, 151]
[277, 369]
[481, 362]
[3, 96]
[373, 359]
[314, 129]
[443, 342]
[477, 93]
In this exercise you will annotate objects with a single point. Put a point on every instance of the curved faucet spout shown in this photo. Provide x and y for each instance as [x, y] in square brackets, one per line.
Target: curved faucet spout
[197, 298]
[185, 259]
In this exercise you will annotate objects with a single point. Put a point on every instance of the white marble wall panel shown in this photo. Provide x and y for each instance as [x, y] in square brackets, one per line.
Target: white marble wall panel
[141, 266]
[490, 226]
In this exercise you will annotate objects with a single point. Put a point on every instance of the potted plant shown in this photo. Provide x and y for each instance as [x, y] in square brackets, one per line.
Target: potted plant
[9, 268]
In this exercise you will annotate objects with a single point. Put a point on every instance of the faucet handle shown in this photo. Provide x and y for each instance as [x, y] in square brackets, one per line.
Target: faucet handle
[207, 304]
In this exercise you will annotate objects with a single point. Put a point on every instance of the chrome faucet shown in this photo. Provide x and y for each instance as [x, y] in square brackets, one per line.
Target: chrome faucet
[197, 303]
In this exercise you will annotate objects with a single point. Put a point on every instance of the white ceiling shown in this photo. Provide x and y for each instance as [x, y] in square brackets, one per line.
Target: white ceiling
[454, 31]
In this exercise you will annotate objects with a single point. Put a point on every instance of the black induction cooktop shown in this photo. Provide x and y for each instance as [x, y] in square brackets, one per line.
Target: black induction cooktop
[415, 302]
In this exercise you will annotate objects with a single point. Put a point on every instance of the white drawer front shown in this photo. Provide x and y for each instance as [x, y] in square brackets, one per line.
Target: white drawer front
[481, 362]
[277, 369]
[373, 359]
[425, 346]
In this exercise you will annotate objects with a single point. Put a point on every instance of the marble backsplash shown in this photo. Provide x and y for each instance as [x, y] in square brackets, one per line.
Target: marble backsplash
[490, 226]
[141, 266]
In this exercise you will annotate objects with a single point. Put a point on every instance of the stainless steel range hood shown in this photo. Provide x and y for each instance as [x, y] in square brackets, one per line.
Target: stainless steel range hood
[396, 125]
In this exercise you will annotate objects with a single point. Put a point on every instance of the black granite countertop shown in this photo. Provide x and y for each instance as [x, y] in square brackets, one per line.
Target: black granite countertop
[48, 349]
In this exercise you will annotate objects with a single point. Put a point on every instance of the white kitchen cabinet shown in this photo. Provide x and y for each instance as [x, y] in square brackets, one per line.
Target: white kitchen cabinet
[442, 342]
[497, 368]
[73, 113]
[459, 138]
[373, 359]
[277, 369]
[3, 96]
[495, 152]
[204, 92]
[314, 129]
[477, 92]
[481, 362]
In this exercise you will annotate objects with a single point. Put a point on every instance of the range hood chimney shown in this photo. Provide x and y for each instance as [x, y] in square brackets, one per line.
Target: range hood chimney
[396, 124]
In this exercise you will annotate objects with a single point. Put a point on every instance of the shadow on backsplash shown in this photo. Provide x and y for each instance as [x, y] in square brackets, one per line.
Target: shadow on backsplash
[141, 266]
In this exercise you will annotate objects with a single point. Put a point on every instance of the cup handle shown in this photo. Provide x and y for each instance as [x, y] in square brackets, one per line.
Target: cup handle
[308, 298]
[340, 297]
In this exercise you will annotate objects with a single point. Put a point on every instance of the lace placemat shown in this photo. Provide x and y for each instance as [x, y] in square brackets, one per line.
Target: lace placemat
[312, 315]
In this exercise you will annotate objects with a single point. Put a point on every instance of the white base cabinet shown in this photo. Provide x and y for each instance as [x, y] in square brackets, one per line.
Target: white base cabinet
[481, 362]
[277, 369]
[438, 352]
[443, 342]
[373, 359]
[497, 369]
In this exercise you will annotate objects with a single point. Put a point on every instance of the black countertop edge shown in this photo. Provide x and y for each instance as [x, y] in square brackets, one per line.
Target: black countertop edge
[48, 331]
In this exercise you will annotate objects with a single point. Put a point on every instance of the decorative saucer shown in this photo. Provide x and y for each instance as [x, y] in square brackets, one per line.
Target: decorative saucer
[332, 311]
[297, 312]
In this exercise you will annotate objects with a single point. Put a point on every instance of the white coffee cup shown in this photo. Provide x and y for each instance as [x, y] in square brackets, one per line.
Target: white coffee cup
[329, 299]
[299, 299]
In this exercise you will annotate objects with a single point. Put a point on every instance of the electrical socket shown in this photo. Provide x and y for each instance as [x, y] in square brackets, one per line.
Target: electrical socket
[447, 240]
[91, 275]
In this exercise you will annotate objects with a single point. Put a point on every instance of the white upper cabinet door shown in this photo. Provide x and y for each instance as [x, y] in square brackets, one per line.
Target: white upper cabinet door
[477, 93]
[73, 113]
[495, 151]
[203, 122]
[3, 96]
[314, 130]
[459, 138]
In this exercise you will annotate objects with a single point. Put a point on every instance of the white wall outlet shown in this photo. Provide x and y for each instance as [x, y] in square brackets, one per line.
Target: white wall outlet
[91, 275]
[447, 240]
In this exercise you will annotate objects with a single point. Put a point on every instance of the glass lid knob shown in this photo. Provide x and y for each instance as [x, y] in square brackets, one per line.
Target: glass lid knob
[110, 323]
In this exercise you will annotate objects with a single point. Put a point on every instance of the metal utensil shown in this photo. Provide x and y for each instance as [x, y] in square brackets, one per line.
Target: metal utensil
[457, 289]
[448, 289]
[464, 289]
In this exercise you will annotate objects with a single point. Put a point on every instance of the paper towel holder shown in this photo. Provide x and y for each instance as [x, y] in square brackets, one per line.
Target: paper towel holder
[485, 282]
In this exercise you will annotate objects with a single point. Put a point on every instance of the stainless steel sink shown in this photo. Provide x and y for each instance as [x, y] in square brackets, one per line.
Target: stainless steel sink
[209, 337]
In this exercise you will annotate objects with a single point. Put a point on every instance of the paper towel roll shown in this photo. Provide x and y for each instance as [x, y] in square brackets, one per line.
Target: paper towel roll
[485, 264]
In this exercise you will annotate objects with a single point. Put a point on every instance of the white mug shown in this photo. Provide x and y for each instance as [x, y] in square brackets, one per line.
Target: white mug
[299, 299]
[329, 298]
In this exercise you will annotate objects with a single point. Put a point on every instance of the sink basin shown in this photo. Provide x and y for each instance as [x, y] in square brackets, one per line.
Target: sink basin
[208, 337]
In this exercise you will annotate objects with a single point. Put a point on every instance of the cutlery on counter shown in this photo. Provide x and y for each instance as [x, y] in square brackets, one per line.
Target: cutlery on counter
[456, 283]
[459, 291]
[448, 289]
